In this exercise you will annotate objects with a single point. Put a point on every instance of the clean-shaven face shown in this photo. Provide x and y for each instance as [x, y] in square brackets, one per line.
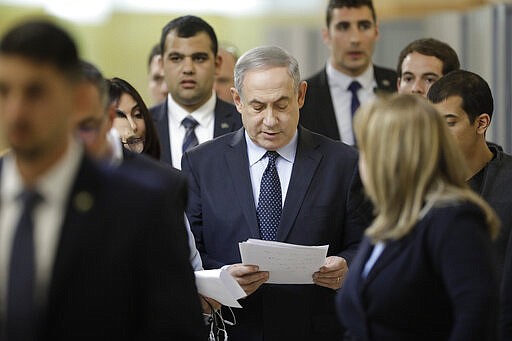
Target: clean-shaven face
[351, 37]
[189, 68]
[270, 106]
[419, 72]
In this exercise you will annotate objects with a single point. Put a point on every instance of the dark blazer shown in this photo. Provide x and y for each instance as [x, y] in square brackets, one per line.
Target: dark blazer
[323, 205]
[495, 188]
[227, 119]
[318, 114]
[436, 283]
[121, 269]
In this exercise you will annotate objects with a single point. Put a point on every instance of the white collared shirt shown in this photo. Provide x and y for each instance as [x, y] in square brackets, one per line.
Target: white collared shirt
[257, 165]
[342, 97]
[54, 186]
[204, 115]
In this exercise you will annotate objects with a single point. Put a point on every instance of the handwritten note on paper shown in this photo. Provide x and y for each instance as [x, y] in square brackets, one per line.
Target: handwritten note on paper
[287, 263]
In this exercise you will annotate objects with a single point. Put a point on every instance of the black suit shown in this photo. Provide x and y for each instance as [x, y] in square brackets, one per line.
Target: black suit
[318, 114]
[323, 205]
[121, 269]
[226, 120]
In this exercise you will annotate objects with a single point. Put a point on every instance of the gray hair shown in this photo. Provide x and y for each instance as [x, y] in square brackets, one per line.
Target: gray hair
[264, 58]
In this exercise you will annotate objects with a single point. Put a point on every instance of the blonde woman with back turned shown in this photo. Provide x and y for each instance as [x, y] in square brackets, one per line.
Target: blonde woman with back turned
[424, 270]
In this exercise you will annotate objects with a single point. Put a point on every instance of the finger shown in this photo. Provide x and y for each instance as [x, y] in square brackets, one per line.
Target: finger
[330, 282]
[239, 270]
[252, 287]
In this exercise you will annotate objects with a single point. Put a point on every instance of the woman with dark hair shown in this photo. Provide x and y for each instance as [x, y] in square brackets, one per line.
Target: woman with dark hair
[133, 120]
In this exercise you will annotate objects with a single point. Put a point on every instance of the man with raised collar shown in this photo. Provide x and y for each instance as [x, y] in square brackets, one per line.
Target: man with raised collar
[349, 78]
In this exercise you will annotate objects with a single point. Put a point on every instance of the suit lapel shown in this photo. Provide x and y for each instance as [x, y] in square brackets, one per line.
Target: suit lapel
[238, 165]
[161, 118]
[80, 216]
[224, 121]
[329, 116]
[390, 252]
[306, 162]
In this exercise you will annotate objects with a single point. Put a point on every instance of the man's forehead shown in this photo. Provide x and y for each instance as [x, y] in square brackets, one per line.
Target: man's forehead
[198, 43]
[351, 14]
[22, 71]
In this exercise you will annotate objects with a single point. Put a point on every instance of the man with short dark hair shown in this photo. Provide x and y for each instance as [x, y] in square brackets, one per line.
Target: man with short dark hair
[192, 113]
[349, 78]
[465, 100]
[422, 63]
[86, 253]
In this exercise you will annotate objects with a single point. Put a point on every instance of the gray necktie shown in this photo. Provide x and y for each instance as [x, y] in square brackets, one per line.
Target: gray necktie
[190, 139]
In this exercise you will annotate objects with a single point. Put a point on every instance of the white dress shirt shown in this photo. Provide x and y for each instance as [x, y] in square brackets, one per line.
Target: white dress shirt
[54, 186]
[342, 97]
[377, 251]
[257, 165]
[205, 116]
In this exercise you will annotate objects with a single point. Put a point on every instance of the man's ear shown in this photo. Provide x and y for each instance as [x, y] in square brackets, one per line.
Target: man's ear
[236, 99]
[303, 86]
[483, 121]
[218, 64]
[111, 112]
[326, 37]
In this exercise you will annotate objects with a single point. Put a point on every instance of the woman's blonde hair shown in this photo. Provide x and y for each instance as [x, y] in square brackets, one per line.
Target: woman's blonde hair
[412, 164]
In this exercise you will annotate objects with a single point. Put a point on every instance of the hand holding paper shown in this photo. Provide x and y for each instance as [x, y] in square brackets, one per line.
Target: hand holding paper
[286, 263]
[332, 273]
[219, 285]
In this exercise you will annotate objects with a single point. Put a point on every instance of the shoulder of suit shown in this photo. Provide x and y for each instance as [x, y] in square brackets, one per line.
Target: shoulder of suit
[317, 79]
[327, 142]
[385, 78]
[157, 109]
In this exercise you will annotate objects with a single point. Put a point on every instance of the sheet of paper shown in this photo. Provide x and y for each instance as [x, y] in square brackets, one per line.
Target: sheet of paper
[287, 263]
[219, 285]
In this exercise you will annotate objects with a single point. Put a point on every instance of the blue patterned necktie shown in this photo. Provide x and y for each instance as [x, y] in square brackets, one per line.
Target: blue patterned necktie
[270, 201]
[190, 139]
[21, 307]
[353, 88]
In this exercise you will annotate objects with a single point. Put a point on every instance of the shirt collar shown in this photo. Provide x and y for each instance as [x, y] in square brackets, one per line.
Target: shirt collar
[339, 79]
[54, 185]
[203, 115]
[256, 153]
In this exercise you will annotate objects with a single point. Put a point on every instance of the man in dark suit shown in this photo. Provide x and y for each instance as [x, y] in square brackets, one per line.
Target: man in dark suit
[100, 254]
[319, 201]
[192, 113]
[349, 77]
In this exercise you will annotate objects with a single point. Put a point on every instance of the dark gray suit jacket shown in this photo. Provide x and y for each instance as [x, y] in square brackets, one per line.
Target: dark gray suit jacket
[323, 205]
[496, 188]
[318, 114]
[227, 119]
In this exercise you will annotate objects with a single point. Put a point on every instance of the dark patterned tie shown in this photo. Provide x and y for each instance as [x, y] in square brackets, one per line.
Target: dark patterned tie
[190, 139]
[21, 307]
[270, 200]
[353, 88]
